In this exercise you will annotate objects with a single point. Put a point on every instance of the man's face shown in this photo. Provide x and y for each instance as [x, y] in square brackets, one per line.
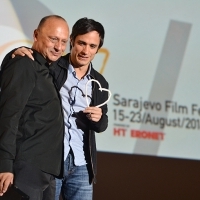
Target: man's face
[51, 39]
[84, 49]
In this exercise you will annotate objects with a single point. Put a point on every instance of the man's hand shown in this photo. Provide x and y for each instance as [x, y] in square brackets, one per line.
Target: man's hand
[93, 113]
[22, 51]
[5, 180]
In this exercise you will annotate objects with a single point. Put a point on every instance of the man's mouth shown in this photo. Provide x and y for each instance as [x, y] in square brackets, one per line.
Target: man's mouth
[82, 57]
[56, 53]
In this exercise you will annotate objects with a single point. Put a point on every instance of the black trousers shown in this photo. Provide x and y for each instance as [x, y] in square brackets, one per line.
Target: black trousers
[37, 184]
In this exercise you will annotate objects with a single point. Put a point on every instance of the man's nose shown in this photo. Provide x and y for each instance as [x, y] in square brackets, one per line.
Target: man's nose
[85, 49]
[58, 45]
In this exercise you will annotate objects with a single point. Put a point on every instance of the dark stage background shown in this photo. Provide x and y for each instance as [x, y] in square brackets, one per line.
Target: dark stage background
[136, 177]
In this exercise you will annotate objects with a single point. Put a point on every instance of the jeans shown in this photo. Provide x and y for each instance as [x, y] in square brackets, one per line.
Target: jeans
[75, 184]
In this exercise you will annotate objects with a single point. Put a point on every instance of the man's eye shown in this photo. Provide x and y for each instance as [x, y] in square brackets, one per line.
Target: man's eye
[93, 46]
[64, 42]
[81, 43]
[53, 39]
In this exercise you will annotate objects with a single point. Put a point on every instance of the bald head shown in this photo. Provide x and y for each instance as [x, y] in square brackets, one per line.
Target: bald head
[51, 36]
[49, 17]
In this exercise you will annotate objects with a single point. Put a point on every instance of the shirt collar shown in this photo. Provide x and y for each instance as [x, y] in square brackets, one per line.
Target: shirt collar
[71, 70]
[40, 58]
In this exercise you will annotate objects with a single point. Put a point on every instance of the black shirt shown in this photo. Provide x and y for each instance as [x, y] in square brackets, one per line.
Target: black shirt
[31, 120]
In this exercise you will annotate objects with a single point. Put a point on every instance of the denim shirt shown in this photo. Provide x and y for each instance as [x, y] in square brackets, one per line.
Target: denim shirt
[73, 102]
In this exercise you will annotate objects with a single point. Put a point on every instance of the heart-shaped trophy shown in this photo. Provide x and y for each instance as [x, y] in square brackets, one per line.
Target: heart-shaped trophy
[101, 89]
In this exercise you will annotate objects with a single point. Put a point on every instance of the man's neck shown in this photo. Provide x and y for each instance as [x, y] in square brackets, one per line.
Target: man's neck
[81, 71]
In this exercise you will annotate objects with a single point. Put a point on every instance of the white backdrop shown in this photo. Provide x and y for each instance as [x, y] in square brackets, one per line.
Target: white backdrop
[152, 66]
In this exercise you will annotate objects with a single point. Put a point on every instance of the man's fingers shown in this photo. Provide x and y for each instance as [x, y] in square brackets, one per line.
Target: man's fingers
[29, 54]
[93, 117]
[93, 113]
[13, 55]
[22, 52]
[93, 110]
[30, 50]
[6, 185]
[5, 180]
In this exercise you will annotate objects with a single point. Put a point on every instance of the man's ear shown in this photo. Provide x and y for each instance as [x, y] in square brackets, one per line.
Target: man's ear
[71, 42]
[35, 35]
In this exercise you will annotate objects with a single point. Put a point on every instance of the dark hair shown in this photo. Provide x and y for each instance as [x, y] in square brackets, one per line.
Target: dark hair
[85, 25]
[44, 19]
